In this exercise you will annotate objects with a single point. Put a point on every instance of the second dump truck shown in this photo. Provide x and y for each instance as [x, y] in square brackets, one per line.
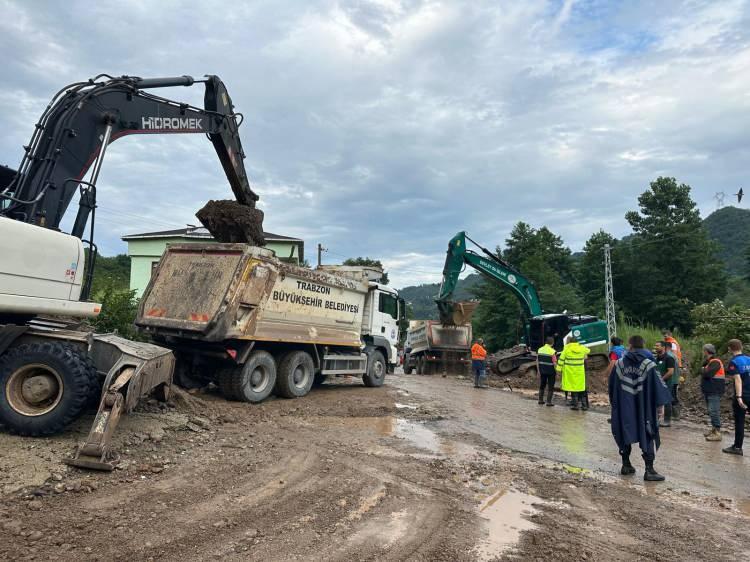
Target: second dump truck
[236, 315]
[433, 347]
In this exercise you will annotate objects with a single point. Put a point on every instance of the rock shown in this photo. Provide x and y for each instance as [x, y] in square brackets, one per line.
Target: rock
[35, 505]
[59, 488]
[205, 423]
[342, 503]
[193, 427]
[156, 435]
[219, 525]
[35, 536]
[57, 477]
[157, 469]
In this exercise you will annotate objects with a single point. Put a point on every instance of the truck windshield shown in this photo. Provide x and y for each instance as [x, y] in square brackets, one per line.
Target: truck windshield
[388, 304]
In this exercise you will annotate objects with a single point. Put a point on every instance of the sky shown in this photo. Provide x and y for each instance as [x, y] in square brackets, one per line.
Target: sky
[380, 128]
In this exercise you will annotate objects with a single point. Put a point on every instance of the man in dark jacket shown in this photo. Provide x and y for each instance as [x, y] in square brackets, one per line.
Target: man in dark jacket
[636, 391]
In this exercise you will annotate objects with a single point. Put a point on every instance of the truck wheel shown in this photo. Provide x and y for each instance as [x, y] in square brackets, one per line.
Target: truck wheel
[252, 382]
[44, 387]
[296, 374]
[407, 368]
[505, 366]
[376, 369]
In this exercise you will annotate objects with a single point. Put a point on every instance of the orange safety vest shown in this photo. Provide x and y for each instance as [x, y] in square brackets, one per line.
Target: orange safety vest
[720, 373]
[478, 353]
[676, 348]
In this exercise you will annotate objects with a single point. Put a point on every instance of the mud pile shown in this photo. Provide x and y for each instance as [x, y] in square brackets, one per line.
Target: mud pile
[230, 221]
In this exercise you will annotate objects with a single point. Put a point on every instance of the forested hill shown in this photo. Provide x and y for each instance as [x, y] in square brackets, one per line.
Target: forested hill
[730, 228]
[421, 298]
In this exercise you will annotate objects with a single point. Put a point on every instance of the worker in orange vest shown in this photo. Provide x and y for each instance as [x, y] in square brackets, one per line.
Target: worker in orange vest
[478, 358]
[676, 350]
[713, 385]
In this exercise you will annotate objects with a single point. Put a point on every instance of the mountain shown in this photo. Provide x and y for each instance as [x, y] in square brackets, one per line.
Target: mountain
[421, 298]
[730, 228]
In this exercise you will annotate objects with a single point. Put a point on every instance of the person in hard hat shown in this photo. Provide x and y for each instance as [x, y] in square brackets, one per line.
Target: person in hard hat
[546, 359]
[570, 365]
[636, 391]
[478, 360]
[738, 368]
[713, 384]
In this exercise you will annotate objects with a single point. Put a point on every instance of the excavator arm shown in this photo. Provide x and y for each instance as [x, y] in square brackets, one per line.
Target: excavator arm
[83, 118]
[489, 265]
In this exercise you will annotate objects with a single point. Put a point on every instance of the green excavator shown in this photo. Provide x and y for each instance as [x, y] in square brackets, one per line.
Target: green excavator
[589, 330]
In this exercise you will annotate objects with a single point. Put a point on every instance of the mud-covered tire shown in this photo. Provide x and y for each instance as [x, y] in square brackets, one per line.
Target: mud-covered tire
[252, 382]
[504, 366]
[44, 387]
[376, 370]
[296, 374]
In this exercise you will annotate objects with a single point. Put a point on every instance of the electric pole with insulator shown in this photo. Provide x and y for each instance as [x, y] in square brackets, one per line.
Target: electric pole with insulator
[609, 294]
[321, 249]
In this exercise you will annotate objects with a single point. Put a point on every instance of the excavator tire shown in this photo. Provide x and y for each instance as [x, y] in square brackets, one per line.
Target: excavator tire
[44, 387]
[296, 374]
[252, 382]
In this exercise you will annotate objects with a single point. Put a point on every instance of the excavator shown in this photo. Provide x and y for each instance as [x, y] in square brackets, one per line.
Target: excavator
[52, 367]
[589, 330]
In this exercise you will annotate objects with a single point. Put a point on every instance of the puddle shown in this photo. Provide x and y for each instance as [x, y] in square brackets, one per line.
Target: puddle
[417, 434]
[406, 406]
[505, 512]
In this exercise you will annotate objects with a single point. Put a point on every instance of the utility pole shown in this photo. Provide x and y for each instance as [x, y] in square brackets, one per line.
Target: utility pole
[609, 295]
[321, 249]
[720, 196]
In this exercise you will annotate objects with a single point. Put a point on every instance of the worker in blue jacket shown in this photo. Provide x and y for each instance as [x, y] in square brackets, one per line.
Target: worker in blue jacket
[635, 392]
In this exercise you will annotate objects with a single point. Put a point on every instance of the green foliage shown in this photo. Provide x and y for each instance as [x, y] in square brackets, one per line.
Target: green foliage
[369, 263]
[730, 228]
[119, 308]
[717, 323]
[747, 263]
[542, 257]
[671, 264]
[111, 272]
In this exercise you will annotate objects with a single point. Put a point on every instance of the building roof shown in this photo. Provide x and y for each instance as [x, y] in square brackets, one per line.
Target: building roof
[200, 232]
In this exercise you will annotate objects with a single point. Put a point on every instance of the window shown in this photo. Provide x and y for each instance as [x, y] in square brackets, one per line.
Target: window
[388, 304]
[154, 265]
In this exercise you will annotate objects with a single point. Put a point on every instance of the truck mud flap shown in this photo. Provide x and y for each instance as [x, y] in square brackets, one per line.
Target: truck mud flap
[134, 369]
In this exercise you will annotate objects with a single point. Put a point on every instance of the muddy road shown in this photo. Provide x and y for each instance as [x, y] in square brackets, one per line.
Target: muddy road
[424, 468]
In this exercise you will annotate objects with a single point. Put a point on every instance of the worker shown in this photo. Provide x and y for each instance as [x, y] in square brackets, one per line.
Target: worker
[712, 385]
[478, 358]
[546, 359]
[666, 364]
[739, 369]
[676, 349]
[636, 391]
[570, 365]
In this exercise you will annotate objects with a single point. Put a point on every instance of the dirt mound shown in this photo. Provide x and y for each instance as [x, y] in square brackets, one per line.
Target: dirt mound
[230, 221]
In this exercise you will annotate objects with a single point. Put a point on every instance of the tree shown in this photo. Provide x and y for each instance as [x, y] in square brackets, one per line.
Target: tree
[368, 262]
[119, 308]
[747, 263]
[671, 264]
[541, 256]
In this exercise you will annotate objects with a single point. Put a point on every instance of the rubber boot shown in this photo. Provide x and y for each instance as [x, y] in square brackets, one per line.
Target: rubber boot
[627, 468]
[651, 475]
[585, 401]
[550, 394]
[541, 397]
[714, 435]
[575, 403]
[676, 410]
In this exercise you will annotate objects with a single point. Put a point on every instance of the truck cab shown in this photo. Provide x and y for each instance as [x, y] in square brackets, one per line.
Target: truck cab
[382, 319]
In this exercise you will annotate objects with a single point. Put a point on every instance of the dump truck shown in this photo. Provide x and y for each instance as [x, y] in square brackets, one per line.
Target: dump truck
[236, 315]
[433, 347]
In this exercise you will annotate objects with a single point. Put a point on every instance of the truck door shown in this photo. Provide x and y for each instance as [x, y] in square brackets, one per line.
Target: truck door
[385, 320]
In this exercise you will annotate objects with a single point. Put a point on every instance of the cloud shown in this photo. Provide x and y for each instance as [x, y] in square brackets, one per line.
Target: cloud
[381, 128]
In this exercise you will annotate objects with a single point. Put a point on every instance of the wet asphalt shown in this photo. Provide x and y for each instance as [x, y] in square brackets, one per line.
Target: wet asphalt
[581, 439]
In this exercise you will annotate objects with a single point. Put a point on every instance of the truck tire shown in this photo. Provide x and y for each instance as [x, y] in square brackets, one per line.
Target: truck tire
[376, 369]
[296, 374]
[44, 387]
[252, 382]
[407, 368]
[505, 366]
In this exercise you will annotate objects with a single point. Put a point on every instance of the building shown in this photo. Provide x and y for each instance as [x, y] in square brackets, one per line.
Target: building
[146, 249]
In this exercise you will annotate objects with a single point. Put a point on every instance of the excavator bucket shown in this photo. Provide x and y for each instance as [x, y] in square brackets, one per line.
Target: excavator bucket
[457, 313]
